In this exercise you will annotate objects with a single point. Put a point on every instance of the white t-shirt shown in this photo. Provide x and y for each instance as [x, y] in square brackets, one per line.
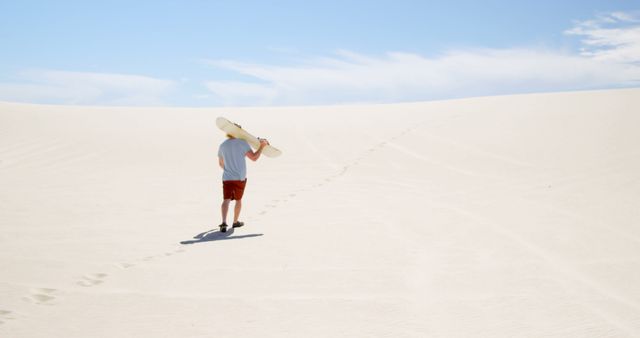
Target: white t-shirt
[233, 152]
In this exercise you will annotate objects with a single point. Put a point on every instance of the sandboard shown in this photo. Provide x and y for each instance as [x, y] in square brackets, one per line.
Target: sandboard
[236, 131]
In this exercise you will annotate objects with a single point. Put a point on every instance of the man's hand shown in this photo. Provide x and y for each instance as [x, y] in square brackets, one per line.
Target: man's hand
[254, 156]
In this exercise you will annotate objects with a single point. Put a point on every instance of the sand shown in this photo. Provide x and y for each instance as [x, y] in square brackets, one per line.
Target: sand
[512, 216]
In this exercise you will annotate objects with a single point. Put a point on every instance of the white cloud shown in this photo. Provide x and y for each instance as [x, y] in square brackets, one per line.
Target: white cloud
[394, 77]
[63, 87]
[238, 93]
[610, 60]
[610, 37]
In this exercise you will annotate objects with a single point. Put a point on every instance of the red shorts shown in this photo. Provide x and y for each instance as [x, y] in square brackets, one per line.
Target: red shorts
[233, 190]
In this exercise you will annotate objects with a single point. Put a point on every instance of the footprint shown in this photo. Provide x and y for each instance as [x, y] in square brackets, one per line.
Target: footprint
[292, 195]
[92, 279]
[124, 265]
[41, 296]
[5, 315]
[262, 213]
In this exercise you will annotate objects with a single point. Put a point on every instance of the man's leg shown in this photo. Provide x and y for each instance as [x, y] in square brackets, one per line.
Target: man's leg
[236, 211]
[225, 210]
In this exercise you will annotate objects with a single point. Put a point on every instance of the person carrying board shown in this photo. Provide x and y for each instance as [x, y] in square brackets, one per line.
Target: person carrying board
[232, 156]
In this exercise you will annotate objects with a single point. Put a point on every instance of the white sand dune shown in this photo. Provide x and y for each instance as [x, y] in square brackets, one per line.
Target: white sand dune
[511, 216]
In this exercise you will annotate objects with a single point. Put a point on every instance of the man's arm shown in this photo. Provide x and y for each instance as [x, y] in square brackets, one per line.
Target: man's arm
[221, 162]
[254, 156]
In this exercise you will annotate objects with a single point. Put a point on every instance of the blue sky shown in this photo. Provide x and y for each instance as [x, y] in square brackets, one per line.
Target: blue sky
[216, 53]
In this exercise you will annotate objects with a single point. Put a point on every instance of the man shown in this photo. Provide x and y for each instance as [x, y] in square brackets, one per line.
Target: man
[231, 157]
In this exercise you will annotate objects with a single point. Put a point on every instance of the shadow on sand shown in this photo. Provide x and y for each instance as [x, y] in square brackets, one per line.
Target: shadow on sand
[216, 235]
